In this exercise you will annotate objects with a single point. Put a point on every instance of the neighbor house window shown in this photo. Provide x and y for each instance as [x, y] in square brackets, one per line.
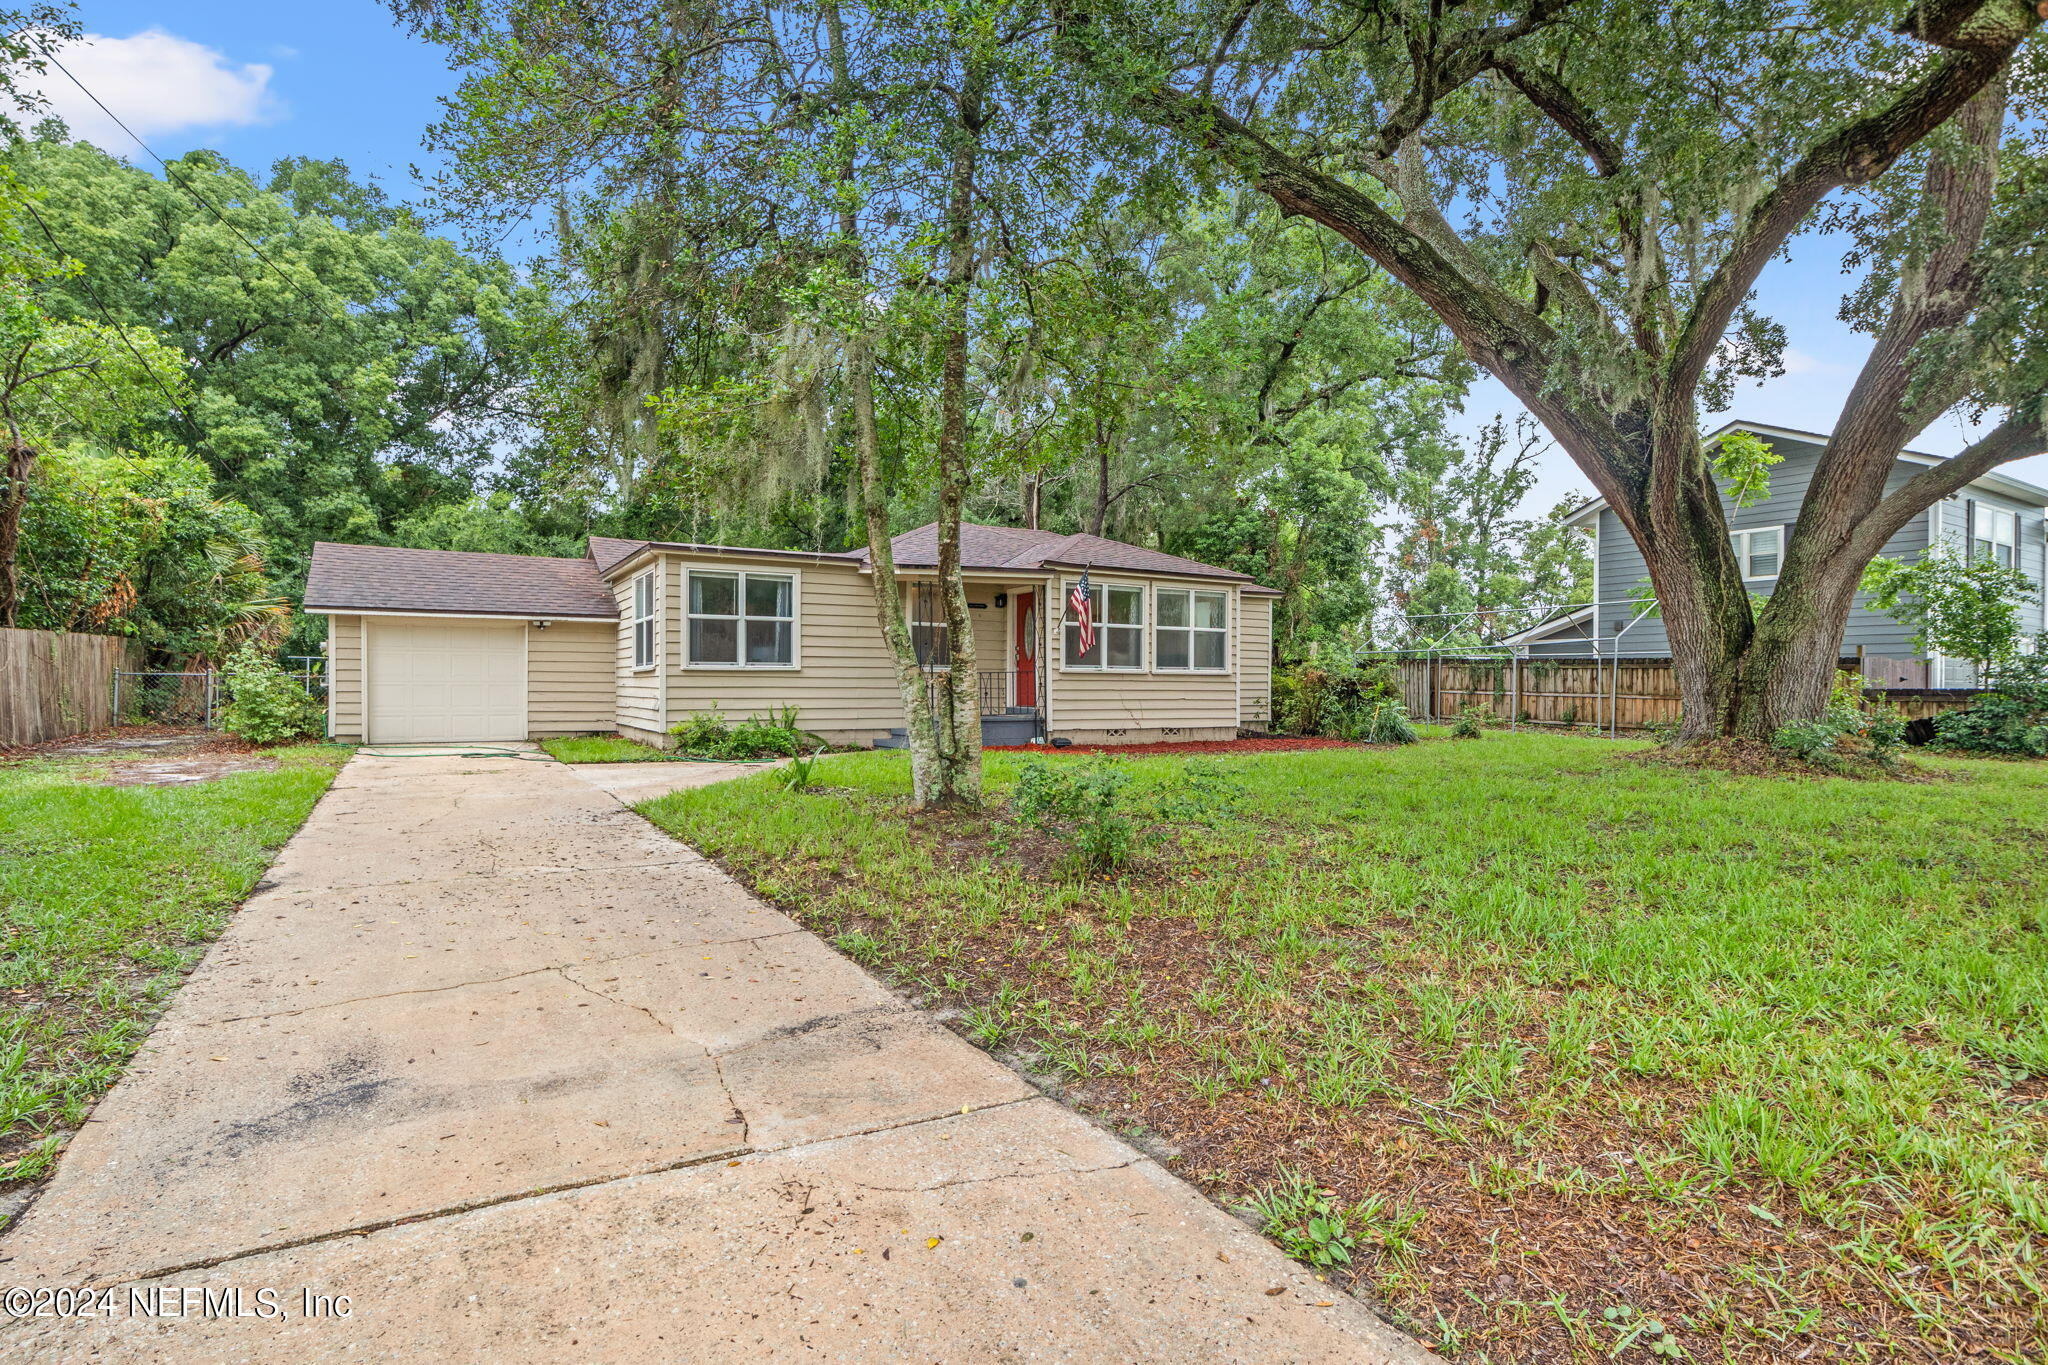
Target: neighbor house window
[1192, 630]
[930, 636]
[1119, 615]
[1759, 551]
[643, 621]
[742, 620]
[1995, 535]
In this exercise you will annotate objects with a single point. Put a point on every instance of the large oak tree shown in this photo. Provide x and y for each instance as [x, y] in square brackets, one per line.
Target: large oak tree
[1587, 194]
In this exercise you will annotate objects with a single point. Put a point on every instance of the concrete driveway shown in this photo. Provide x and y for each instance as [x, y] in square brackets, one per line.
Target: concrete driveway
[490, 1069]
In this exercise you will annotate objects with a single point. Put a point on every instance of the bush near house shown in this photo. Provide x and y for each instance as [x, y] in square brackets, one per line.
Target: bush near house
[1557, 1054]
[266, 705]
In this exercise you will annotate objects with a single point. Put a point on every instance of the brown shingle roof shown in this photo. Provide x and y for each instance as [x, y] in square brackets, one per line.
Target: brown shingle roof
[387, 578]
[1010, 547]
[609, 551]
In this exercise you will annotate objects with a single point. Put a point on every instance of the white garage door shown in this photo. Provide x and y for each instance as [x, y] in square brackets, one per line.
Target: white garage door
[445, 681]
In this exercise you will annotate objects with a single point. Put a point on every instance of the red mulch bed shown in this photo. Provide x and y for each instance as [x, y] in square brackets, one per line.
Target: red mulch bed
[1265, 744]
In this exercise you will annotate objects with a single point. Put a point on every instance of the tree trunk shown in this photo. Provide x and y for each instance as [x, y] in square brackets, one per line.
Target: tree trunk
[13, 499]
[935, 771]
[1033, 499]
[1741, 673]
[956, 766]
[1100, 518]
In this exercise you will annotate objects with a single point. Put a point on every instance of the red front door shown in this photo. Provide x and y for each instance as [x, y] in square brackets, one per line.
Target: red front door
[1024, 655]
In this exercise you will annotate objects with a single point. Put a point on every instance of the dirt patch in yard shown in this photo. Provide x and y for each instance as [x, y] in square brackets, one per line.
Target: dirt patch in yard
[149, 755]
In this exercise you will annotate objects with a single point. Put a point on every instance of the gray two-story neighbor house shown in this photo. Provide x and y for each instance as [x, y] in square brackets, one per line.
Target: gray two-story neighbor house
[1997, 516]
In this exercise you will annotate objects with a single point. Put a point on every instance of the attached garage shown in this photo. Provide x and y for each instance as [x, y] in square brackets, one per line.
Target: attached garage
[411, 659]
[428, 681]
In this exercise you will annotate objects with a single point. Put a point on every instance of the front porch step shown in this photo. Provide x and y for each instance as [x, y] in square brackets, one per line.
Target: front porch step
[1015, 726]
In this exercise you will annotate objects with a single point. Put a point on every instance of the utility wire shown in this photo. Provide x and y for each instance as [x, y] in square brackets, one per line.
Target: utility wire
[186, 186]
[119, 330]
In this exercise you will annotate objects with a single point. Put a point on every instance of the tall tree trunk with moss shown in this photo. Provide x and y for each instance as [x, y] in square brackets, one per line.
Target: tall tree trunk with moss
[942, 770]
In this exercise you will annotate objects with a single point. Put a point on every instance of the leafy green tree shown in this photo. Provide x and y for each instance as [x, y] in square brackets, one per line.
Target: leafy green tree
[60, 380]
[1462, 566]
[346, 367]
[1587, 195]
[1956, 606]
[857, 184]
[136, 543]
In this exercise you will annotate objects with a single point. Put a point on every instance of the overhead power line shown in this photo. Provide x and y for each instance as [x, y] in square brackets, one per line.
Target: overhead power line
[172, 175]
[119, 330]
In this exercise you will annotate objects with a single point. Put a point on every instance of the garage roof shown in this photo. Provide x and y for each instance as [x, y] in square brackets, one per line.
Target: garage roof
[375, 578]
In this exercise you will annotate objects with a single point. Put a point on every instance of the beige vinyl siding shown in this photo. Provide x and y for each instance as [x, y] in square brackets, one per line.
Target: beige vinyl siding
[1255, 649]
[571, 681]
[844, 684]
[636, 701]
[345, 678]
[1110, 705]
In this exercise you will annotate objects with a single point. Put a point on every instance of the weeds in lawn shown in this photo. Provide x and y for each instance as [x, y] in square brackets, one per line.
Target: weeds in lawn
[1760, 1060]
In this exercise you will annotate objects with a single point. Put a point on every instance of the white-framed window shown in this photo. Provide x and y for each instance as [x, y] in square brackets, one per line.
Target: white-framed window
[1191, 631]
[742, 619]
[1759, 551]
[1118, 610]
[1995, 535]
[643, 621]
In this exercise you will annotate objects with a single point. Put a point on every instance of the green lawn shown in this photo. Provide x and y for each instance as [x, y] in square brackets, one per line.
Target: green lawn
[108, 895]
[1593, 1057]
[603, 749]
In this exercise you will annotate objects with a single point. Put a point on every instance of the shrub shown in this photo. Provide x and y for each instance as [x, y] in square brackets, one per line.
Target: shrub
[1471, 722]
[2012, 718]
[1384, 722]
[266, 705]
[706, 735]
[1311, 700]
[1081, 803]
[1852, 727]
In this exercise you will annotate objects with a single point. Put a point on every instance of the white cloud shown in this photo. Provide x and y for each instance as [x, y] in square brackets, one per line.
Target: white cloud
[157, 83]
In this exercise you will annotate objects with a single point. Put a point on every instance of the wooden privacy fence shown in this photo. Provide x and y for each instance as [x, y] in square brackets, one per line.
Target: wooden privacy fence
[1613, 694]
[54, 684]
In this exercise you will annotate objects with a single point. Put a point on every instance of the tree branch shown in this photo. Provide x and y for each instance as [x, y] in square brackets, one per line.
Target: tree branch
[2021, 434]
[1852, 155]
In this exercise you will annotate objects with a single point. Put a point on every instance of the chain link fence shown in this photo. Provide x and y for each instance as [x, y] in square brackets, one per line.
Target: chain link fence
[192, 700]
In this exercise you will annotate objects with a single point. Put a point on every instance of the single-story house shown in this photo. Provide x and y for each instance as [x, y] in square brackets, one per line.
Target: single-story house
[1997, 516]
[435, 645]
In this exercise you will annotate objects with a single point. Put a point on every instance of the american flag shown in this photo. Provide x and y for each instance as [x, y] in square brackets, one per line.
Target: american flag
[1083, 612]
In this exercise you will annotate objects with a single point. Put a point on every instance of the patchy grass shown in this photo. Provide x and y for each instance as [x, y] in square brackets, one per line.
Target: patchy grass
[1552, 1053]
[108, 895]
[603, 749]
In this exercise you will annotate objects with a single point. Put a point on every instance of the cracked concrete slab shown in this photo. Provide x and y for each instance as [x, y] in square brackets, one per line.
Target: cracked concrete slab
[1018, 1234]
[725, 995]
[255, 1133]
[291, 950]
[526, 1080]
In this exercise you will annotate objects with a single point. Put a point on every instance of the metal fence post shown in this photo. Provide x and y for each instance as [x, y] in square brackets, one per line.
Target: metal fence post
[116, 718]
[207, 721]
[1514, 692]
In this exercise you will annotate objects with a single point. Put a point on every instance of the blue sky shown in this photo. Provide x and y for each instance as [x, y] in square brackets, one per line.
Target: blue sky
[337, 78]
